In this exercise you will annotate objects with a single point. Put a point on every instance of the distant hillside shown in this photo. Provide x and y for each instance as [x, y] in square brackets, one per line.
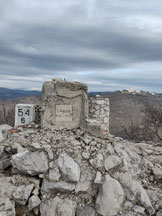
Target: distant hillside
[6, 94]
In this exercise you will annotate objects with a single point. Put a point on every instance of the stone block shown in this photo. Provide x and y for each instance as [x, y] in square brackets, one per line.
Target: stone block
[65, 104]
[24, 114]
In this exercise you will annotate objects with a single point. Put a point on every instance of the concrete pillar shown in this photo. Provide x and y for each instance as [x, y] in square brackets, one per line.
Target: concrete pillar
[64, 104]
[99, 110]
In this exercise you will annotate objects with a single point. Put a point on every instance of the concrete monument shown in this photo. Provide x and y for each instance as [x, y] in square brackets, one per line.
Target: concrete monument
[64, 104]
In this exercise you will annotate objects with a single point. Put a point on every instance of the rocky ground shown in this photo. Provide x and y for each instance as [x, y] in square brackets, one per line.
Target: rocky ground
[70, 172]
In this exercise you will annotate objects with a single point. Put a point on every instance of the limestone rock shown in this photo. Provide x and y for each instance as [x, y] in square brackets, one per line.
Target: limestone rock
[159, 213]
[98, 178]
[157, 171]
[144, 199]
[97, 162]
[139, 209]
[86, 211]
[110, 197]
[22, 193]
[57, 186]
[82, 186]
[69, 167]
[112, 162]
[58, 207]
[134, 189]
[3, 131]
[5, 163]
[6, 207]
[32, 163]
[34, 201]
[6, 187]
[54, 174]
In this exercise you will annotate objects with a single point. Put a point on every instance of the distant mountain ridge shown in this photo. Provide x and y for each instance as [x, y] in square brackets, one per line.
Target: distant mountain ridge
[6, 93]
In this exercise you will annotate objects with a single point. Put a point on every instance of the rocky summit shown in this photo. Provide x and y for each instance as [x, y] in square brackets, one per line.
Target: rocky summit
[71, 172]
[70, 165]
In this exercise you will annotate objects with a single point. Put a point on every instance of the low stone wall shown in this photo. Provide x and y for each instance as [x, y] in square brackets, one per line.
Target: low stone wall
[99, 110]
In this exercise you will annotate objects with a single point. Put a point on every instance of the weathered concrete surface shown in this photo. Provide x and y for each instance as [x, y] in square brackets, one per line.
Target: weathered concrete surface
[65, 104]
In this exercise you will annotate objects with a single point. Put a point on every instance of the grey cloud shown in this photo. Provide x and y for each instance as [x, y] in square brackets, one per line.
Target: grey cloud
[91, 47]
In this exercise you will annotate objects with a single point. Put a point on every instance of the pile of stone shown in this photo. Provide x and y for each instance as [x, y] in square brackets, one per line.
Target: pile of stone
[99, 110]
[69, 166]
[70, 172]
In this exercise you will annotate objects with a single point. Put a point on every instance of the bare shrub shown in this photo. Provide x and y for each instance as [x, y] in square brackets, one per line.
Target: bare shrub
[151, 127]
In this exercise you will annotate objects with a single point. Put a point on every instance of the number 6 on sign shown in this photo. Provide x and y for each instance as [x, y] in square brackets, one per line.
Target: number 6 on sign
[23, 120]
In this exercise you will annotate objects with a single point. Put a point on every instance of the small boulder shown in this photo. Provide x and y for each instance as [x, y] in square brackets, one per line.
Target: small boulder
[22, 193]
[34, 201]
[6, 207]
[3, 131]
[86, 211]
[57, 186]
[32, 163]
[112, 162]
[54, 174]
[58, 207]
[110, 197]
[97, 162]
[69, 167]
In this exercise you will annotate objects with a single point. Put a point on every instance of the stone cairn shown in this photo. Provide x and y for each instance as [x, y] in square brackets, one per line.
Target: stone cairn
[70, 167]
[99, 110]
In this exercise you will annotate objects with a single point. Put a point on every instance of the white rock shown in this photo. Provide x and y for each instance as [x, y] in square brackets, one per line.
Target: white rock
[157, 171]
[58, 186]
[3, 129]
[112, 162]
[34, 201]
[82, 186]
[159, 213]
[49, 151]
[86, 211]
[5, 163]
[97, 162]
[22, 193]
[100, 102]
[69, 167]
[144, 199]
[110, 197]
[33, 163]
[86, 155]
[139, 209]
[98, 179]
[134, 189]
[6, 207]
[6, 187]
[54, 174]
[58, 207]
[36, 145]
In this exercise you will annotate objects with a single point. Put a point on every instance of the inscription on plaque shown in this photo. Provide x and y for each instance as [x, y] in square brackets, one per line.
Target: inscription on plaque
[64, 113]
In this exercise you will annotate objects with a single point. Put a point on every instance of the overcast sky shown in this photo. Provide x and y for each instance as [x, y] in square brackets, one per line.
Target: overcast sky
[108, 44]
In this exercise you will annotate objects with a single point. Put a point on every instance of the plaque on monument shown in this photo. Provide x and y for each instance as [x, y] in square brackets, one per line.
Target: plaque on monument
[24, 114]
[64, 113]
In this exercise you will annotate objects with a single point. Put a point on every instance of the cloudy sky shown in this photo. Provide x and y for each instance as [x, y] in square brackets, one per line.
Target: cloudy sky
[108, 44]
